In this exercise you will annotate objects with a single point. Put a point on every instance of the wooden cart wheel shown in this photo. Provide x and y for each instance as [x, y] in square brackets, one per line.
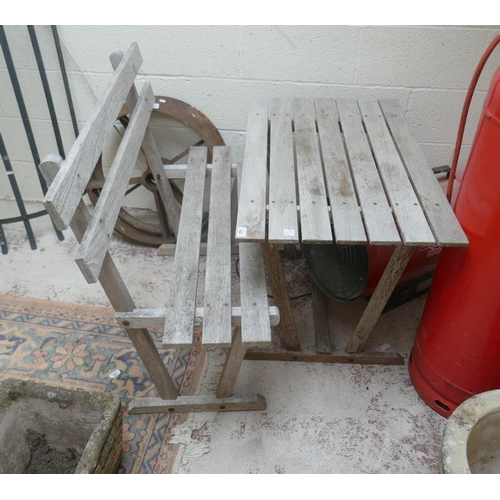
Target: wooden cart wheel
[154, 230]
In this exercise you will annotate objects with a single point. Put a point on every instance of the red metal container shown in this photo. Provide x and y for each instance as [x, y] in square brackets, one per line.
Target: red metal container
[422, 263]
[457, 347]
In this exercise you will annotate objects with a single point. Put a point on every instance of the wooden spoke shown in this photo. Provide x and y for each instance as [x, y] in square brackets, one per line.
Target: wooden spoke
[147, 231]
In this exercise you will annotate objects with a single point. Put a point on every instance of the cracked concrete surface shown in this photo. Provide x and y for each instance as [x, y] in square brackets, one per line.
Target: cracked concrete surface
[319, 418]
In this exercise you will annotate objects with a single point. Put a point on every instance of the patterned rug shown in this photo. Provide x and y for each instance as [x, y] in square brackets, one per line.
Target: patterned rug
[79, 347]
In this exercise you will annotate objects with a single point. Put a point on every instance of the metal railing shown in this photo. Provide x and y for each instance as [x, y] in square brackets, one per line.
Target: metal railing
[24, 216]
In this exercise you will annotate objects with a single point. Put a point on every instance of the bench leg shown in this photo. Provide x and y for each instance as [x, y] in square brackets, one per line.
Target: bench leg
[232, 366]
[120, 299]
[286, 327]
[385, 287]
[223, 399]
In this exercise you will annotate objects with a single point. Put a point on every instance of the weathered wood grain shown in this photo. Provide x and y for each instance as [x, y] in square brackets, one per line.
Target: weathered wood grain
[346, 215]
[444, 224]
[217, 310]
[283, 224]
[255, 325]
[379, 222]
[98, 234]
[182, 301]
[314, 217]
[406, 207]
[63, 196]
[251, 221]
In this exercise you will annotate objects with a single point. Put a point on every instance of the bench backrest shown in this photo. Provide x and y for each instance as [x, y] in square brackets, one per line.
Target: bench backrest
[64, 194]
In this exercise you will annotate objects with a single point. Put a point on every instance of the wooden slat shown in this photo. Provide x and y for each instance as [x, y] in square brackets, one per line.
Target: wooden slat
[63, 196]
[255, 325]
[405, 205]
[97, 237]
[444, 224]
[155, 318]
[217, 318]
[314, 216]
[283, 225]
[379, 222]
[360, 358]
[187, 404]
[172, 206]
[182, 302]
[118, 295]
[251, 222]
[347, 221]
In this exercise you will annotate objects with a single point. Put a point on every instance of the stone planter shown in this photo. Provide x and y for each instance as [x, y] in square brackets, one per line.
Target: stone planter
[471, 440]
[84, 428]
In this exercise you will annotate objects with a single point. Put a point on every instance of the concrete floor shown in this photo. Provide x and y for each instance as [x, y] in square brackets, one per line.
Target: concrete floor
[319, 418]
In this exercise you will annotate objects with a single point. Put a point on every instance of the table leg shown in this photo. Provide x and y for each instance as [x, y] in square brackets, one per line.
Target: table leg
[383, 291]
[286, 327]
[320, 320]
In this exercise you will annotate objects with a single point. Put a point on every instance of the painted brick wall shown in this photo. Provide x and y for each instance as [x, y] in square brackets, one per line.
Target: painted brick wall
[218, 69]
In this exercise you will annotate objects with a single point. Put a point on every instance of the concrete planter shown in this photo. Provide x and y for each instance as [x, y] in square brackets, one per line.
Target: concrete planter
[471, 440]
[89, 423]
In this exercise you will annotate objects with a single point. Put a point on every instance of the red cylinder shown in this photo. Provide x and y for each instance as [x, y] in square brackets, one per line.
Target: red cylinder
[456, 353]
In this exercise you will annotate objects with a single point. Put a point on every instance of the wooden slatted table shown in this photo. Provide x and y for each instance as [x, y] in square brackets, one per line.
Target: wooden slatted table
[324, 170]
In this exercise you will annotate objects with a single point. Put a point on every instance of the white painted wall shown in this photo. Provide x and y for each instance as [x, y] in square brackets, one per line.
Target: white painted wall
[218, 69]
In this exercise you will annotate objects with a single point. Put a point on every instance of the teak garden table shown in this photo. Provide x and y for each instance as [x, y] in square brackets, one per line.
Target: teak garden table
[324, 170]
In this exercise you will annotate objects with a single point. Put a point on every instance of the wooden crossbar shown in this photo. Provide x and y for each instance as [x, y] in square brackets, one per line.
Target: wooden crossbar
[155, 318]
[97, 237]
[65, 193]
[187, 404]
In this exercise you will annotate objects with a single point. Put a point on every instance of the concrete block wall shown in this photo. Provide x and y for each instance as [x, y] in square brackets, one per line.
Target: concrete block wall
[218, 69]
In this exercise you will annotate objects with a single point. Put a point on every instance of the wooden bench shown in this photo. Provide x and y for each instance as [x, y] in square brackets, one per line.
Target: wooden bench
[224, 325]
